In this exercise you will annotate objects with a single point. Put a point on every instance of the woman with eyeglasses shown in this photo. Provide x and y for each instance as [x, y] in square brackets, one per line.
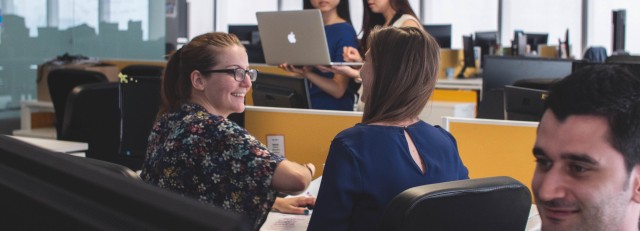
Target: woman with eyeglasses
[196, 151]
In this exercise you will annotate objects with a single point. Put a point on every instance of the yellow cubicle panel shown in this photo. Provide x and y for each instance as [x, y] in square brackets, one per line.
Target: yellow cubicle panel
[248, 98]
[448, 95]
[307, 133]
[495, 147]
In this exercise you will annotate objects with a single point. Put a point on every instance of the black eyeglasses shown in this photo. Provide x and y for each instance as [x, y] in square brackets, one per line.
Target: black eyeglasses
[238, 73]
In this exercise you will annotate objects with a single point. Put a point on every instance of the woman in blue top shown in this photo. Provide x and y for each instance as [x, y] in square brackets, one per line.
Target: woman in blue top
[392, 149]
[327, 90]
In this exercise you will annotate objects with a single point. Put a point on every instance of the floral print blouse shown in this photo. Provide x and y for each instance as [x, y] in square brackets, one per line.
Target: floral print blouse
[212, 159]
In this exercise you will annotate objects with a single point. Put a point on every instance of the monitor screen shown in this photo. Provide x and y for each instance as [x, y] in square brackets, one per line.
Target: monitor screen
[535, 39]
[486, 40]
[619, 25]
[442, 34]
[526, 104]
[139, 103]
[468, 54]
[272, 90]
[46, 190]
[250, 37]
[506, 70]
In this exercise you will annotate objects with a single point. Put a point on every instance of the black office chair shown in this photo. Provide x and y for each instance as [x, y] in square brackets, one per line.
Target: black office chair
[93, 116]
[61, 82]
[142, 70]
[496, 203]
[107, 166]
[139, 104]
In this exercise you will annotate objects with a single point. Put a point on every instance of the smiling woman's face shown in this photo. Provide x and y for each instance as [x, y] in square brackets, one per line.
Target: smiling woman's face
[221, 90]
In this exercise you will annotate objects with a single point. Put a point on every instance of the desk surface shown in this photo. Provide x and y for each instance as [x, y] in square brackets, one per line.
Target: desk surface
[463, 84]
[56, 145]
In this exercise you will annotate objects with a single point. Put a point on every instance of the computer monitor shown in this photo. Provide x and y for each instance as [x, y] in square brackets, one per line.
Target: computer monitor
[519, 43]
[469, 56]
[441, 32]
[486, 40]
[272, 90]
[619, 26]
[535, 39]
[46, 190]
[250, 37]
[506, 70]
[139, 103]
[526, 104]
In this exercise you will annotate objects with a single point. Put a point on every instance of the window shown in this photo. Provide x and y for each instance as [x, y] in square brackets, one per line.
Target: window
[465, 16]
[544, 16]
[38, 30]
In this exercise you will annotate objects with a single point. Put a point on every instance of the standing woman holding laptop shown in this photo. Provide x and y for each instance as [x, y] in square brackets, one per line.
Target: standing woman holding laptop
[328, 90]
[383, 13]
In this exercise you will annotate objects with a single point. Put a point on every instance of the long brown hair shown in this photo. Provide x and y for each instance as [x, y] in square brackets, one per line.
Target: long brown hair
[371, 19]
[405, 67]
[200, 53]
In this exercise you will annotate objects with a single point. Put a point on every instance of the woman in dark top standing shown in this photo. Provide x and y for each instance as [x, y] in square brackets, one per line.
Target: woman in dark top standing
[392, 149]
[327, 90]
[195, 151]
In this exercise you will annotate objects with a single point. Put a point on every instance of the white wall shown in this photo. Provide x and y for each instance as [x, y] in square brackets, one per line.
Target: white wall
[600, 32]
[200, 17]
[544, 16]
[465, 16]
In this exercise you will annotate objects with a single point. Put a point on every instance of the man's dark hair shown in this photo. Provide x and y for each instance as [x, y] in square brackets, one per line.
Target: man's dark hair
[608, 91]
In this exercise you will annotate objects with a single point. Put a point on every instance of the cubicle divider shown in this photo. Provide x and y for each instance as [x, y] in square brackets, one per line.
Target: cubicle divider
[495, 147]
[307, 133]
[452, 95]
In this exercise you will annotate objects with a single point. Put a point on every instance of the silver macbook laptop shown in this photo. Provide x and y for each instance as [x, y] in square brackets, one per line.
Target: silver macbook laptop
[295, 37]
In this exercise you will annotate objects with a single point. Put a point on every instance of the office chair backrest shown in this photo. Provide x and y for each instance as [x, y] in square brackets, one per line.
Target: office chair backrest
[46, 190]
[62, 81]
[139, 103]
[107, 166]
[142, 70]
[93, 116]
[496, 203]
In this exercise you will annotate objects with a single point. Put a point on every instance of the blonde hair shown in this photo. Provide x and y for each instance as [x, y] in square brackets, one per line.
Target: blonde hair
[405, 63]
[200, 53]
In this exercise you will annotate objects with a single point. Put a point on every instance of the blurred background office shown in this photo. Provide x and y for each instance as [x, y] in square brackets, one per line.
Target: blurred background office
[35, 31]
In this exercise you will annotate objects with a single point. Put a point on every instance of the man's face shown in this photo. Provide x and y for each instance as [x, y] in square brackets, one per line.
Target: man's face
[580, 182]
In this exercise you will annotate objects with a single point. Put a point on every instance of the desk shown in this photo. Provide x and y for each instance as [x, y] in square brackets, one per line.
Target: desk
[73, 148]
[462, 84]
[28, 107]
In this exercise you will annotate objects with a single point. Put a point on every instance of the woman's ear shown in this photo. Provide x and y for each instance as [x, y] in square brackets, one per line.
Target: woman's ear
[635, 183]
[197, 80]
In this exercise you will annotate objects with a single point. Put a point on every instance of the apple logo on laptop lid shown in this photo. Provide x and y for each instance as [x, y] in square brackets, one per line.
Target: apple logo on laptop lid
[291, 37]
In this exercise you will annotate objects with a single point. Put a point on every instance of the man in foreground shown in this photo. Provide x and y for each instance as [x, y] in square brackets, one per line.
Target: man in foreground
[587, 151]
